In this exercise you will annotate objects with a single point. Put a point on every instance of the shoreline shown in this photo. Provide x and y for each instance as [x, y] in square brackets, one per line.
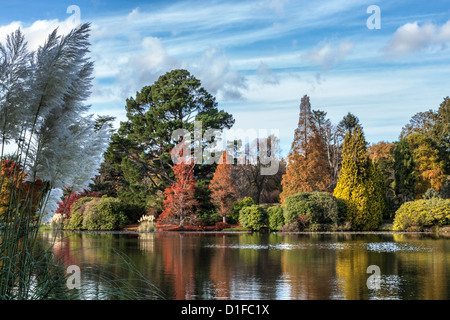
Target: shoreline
[445, 232]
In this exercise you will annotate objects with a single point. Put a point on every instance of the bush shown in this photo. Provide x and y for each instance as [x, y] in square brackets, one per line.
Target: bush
[234, 217]
[415, 215]
[293, 226]
[106, 214]
[295, 205]
[65, 206]
[208, 218]
[78, 210]
[253, 217]
[221, 225]
[431, 193]
[276, 217]
[319, 208]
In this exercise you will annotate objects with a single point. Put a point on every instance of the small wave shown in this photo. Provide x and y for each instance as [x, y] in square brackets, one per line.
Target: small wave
[394, 247]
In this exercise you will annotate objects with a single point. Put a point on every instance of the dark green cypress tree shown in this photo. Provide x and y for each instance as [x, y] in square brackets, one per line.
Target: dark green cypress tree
[404, 171]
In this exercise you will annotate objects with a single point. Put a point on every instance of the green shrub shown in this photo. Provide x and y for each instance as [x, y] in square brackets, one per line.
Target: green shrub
[234, 217]
[78, 210]
[296, 205]
[105, 214]
[415, 215]
[253, 217]
[276, 217]
[320, 208]
[208, 218]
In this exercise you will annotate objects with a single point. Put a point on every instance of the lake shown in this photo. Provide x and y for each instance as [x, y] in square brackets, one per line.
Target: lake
[259, 266]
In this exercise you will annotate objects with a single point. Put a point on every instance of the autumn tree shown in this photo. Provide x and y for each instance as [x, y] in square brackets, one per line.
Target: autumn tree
[430, 144]
[333, 137]
[16, 190]
[359, 183]
[429, 168]
[179, 202]
[223, 187]
[307, 168]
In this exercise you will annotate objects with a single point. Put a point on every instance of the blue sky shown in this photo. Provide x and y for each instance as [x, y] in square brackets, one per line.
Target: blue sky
[258, 58]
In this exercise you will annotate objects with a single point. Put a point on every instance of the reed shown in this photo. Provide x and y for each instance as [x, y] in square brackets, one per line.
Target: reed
[52, 144]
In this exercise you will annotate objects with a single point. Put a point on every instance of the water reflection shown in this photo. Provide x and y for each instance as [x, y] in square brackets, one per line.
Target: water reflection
[267, 266]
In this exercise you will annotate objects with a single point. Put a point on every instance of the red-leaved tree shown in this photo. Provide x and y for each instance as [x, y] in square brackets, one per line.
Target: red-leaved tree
[179, 202]
[223, 187]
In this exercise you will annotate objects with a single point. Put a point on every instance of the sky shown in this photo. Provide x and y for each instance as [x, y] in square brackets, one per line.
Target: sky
[383, 61]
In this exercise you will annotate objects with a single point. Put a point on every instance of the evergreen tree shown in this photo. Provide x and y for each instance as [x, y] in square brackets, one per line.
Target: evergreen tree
[358, 185]
[404, 171]
[348, 123]
[141, 148]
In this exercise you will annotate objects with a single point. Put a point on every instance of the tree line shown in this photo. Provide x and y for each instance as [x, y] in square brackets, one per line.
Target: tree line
[373, 179]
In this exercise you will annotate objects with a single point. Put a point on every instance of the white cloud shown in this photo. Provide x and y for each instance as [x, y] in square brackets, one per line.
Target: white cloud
[217, 75]
[411, 37]
[37, 33]
[328, 54]
[444, 33]
[267, 75]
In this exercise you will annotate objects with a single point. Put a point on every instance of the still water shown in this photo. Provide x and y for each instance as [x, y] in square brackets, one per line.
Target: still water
[260, 266]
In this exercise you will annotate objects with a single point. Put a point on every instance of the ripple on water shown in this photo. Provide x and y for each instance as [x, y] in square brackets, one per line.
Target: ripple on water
[395, 247]
[281, 246]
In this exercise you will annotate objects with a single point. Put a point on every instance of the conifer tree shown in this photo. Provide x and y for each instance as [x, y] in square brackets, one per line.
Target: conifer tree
[180, 202]
[404, 171]
[223, 188]
[358, 185]
[307, 168]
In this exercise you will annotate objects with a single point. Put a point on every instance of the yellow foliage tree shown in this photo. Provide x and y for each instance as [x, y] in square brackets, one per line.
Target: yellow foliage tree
[359, 184]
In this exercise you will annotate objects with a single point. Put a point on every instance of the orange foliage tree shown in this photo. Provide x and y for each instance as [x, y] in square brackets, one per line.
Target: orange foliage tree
[307, 168]
[179, 202]
[223, 188]
[15, 191]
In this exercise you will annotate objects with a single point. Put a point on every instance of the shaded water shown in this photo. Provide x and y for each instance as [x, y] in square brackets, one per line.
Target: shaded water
[268, 266]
